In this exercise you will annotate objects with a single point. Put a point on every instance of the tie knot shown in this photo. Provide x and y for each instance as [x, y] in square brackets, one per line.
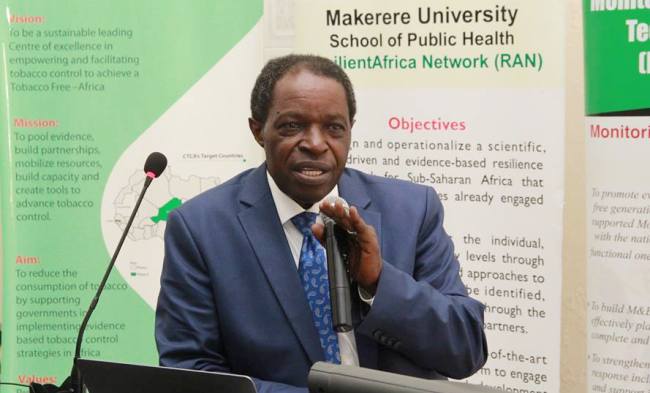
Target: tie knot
[304, 221]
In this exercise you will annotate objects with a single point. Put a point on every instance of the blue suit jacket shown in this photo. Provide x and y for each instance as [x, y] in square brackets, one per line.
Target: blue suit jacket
[231, 299]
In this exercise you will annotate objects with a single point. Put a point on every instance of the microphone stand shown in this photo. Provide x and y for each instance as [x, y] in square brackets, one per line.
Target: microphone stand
[74, 383]
[340, 297]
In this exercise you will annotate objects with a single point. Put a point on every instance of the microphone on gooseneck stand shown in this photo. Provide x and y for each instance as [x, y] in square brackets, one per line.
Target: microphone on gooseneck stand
[339, 290]
[153, 167]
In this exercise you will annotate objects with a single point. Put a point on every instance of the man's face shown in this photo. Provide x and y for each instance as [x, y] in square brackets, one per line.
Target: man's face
[306, 136]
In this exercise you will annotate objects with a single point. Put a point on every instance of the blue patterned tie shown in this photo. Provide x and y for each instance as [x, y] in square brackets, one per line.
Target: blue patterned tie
[313, 274]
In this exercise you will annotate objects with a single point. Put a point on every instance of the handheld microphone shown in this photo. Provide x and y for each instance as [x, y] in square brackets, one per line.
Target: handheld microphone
[337, 274]
[153, 167]
[340, 289]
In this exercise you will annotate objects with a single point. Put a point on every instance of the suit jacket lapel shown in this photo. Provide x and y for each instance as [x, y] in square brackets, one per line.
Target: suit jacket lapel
[355, 194]
[260, 221]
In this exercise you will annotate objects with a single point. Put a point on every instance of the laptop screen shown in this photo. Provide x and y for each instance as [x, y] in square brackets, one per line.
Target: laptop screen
[109, 377]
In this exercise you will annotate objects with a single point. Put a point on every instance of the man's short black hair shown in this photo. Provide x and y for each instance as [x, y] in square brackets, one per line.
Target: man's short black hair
[275, 69]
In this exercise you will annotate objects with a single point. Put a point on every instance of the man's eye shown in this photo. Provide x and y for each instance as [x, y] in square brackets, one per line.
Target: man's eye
[291, 126]
[335, 127]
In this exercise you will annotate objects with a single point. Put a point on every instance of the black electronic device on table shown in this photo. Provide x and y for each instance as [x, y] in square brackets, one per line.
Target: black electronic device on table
[109, 377]
[334, 378]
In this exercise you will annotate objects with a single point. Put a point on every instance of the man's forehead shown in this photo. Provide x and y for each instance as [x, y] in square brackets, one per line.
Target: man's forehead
[304, 79]
[302, 114]
[293, 91]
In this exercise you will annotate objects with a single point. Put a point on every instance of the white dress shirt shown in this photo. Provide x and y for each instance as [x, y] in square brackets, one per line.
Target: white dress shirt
[288, 208]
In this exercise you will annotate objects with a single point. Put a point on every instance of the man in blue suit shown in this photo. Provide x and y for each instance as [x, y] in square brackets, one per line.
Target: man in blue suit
[231, 297]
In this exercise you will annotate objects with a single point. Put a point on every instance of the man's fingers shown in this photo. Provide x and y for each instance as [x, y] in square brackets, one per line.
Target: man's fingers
[338, 212]
[348, 218]
[364, 253]
[319, 232]
[359, 226]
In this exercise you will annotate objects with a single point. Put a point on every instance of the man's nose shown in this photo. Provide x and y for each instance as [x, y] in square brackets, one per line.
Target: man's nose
[314, 140]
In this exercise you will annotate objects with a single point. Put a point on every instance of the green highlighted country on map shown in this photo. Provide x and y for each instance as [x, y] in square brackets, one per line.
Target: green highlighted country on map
[165, 209]
[168, 193]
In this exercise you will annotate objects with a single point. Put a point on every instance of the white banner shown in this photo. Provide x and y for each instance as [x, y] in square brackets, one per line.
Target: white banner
[468, 98]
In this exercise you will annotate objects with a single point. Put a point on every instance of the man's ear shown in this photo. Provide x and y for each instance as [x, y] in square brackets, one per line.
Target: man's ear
[256, 128]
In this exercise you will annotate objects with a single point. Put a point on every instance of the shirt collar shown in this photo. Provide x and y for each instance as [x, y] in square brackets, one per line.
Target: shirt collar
[287, 208]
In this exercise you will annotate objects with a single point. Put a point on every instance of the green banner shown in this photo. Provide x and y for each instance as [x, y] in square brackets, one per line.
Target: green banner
[82, 80]
[617, 56]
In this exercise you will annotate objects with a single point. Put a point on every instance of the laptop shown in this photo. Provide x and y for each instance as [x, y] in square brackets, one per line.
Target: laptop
[109, 377]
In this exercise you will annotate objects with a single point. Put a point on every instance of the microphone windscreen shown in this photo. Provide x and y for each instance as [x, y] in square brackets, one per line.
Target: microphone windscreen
[156, 163]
